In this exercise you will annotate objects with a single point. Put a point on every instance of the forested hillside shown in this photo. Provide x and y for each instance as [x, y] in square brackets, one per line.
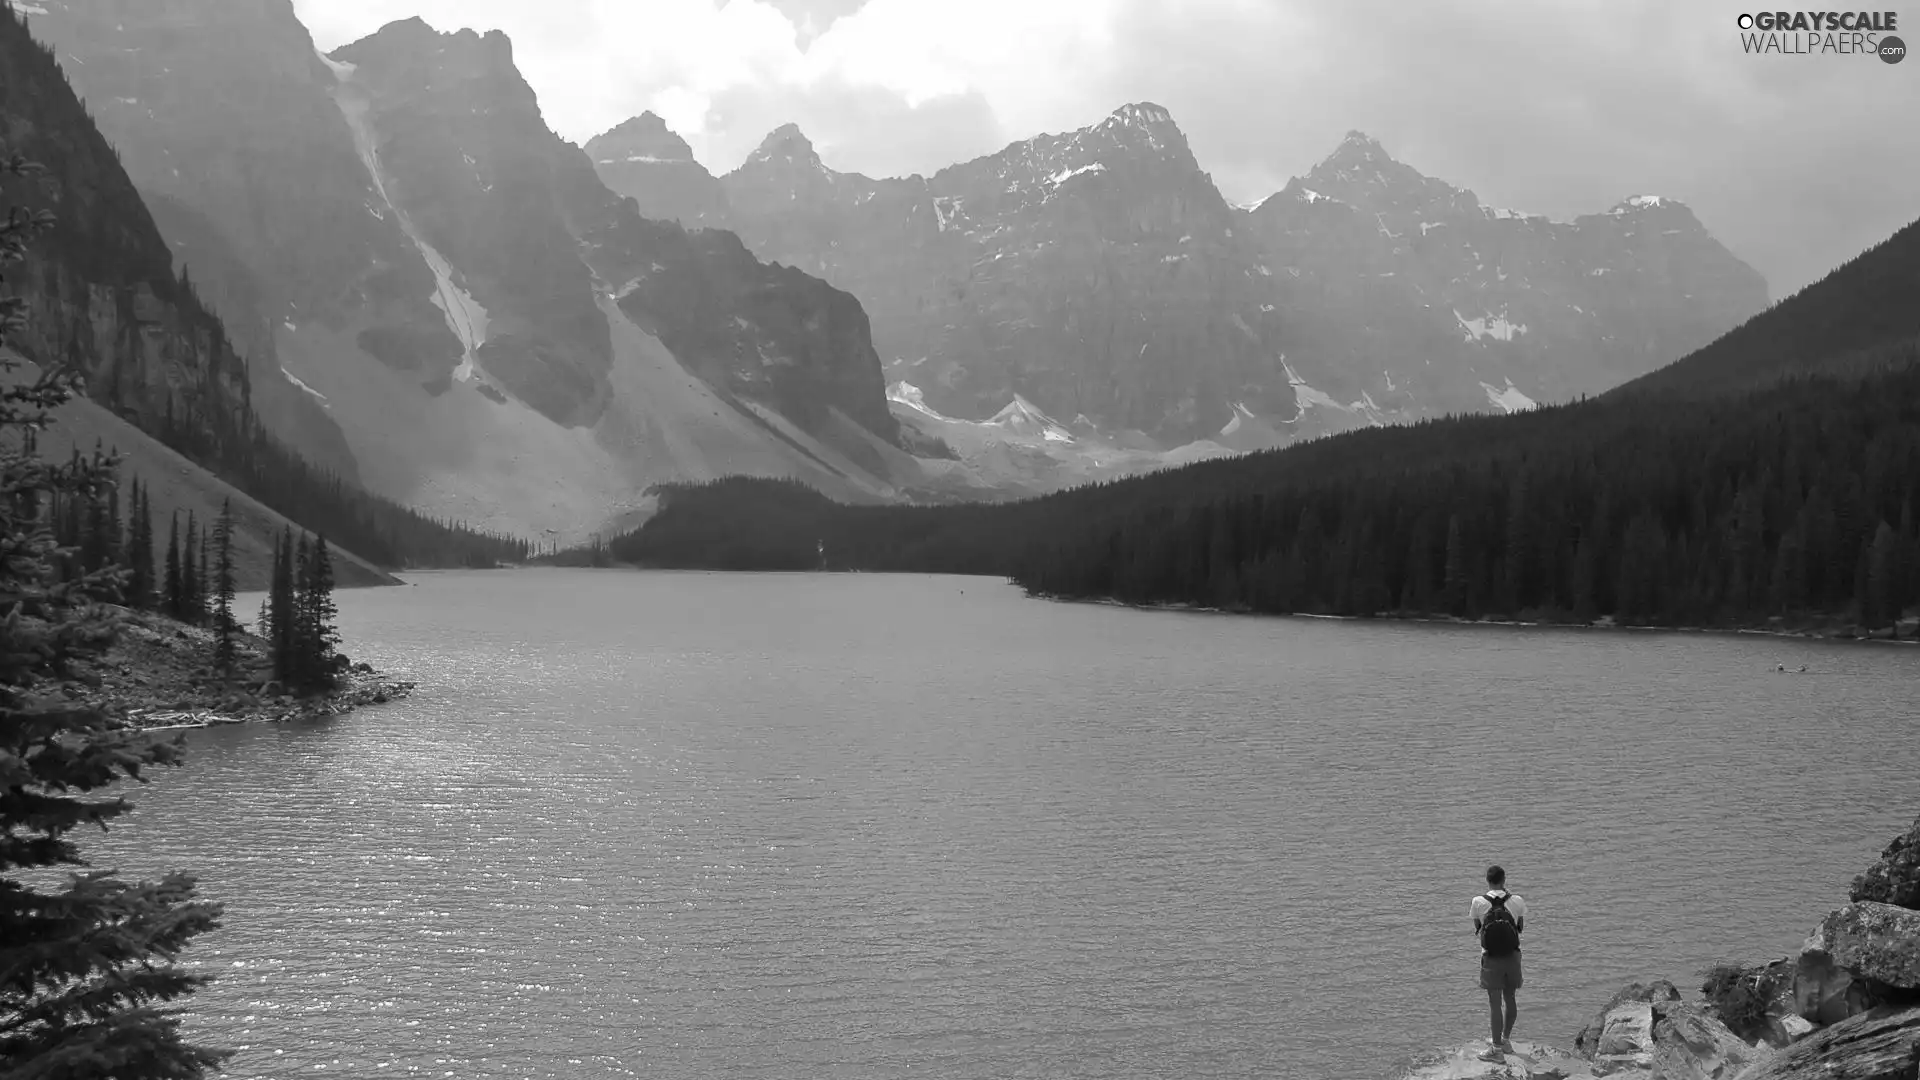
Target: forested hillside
[1793, 501]
[103, 295]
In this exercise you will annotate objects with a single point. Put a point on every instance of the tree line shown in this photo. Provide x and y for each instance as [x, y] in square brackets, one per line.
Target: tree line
[1793, 502]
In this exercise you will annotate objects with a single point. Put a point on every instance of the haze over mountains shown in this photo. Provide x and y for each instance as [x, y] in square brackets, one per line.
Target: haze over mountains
[437, 296]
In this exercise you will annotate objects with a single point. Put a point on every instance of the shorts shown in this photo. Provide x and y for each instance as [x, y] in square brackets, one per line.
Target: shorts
[1500, 972]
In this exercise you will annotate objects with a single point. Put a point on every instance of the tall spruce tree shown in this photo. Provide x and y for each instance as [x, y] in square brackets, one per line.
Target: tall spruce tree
[175, 586]
[222, 613]
[203, 580]
[190, 605]
[89, 963]
[281, 631]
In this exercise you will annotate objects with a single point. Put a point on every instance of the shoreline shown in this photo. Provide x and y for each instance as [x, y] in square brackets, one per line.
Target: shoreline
[360, 686]
[1839, 632]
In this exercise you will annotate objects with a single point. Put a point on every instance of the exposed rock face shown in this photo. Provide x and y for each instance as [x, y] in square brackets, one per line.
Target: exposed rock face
[449, 284]
[101, 286]
[1620, 1035]
[459, 133]
[1094, 273]
[1875, 942]
[221, 115]
[1690, 1043]
[1408, 291]
[1098, 273]
[1880, 1045]
[1895, 878]
[644, 161]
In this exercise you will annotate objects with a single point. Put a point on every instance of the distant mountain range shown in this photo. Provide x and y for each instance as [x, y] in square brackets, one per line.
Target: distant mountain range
[438, 297]
[1100, 275]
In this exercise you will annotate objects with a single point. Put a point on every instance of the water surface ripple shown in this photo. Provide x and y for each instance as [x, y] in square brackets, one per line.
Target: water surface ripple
[706, 825]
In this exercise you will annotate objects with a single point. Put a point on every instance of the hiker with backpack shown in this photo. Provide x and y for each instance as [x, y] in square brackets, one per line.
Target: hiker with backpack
[1498, 918]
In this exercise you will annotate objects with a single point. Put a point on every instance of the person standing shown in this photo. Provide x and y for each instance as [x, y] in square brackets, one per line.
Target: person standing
[1498, 917]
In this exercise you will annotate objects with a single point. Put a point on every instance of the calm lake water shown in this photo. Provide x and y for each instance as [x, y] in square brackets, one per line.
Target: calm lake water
[705, 825]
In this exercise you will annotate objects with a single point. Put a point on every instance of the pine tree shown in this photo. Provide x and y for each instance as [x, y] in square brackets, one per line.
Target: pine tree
[223, 651]
[191, 608]
[280, 607]
[314, 613]
[175, 586]
[203, 580]
[88, 962]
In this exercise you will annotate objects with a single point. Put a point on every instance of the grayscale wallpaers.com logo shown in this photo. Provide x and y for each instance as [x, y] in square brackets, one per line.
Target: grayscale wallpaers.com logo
[1823, 33]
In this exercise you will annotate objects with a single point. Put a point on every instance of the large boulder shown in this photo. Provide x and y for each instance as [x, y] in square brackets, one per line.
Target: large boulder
[1875, 942]
[1882, 1044]
[1757, 1001]
[1825, 992]
[1895, 879]
[1620, 1036]
[1690, 1043]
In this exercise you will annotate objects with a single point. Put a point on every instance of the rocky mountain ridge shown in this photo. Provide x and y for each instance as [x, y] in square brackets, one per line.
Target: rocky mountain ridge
[1099, 274]
[498, 337]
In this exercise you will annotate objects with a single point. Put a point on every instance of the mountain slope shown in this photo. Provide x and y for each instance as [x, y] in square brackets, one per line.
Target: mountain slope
[176, 485]
[103, 295]
[1098, 274]
[1836, 323]
[498, 337]
[1797, 503]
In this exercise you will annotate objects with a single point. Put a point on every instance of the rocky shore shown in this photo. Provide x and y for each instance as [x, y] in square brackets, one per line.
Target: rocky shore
[159, 674]
[1845, 1007]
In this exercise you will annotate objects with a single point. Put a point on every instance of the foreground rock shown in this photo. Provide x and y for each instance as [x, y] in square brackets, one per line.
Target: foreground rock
[1883, 1044]
[1895, 879]
[1526, 1061]
[1878, 944]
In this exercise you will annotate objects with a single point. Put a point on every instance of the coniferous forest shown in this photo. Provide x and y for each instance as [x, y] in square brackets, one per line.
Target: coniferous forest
[1790, 497]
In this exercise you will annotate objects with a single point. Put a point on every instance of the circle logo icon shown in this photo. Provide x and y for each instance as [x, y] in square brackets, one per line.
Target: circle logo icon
[1892, 50]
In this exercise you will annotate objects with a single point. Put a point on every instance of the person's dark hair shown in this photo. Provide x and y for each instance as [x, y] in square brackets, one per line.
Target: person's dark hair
[1496, 876]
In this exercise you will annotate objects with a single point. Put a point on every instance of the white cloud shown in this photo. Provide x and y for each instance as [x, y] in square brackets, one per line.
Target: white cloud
[1563, 106]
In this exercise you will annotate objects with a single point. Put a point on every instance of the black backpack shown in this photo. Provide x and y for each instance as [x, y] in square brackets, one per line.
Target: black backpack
[1499, 934]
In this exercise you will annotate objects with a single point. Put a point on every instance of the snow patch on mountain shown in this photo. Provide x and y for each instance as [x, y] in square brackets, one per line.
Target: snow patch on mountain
[341, 70]
[1023, 417]
[1508, 398]
[1493, 326]
[909, 395]
[1065, 175]
[295, 379]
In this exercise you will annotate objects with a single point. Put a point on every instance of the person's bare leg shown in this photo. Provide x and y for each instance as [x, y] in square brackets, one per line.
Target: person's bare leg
[1493, 1006]
[1506, 1034]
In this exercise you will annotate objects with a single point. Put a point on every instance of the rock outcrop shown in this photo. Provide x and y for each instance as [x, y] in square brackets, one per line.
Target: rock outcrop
[1879, 944]
[1895, 878]
[1883, 1044]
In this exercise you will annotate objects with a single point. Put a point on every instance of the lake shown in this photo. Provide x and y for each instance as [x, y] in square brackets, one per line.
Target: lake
[700, 825]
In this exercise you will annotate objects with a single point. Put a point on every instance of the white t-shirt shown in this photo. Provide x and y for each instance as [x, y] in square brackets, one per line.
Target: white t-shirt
[1481, 905]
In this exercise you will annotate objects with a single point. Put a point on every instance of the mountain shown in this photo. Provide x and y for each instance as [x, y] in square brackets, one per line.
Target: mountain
[1842, 324]
[103, 293]
[1099, 274]
[644, 161]
[500, 338]
[1771, 478]
[1094, 273]
[1408, 293]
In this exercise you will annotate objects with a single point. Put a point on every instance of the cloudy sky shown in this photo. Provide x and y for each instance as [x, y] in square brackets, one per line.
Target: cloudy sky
[1556, 107]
